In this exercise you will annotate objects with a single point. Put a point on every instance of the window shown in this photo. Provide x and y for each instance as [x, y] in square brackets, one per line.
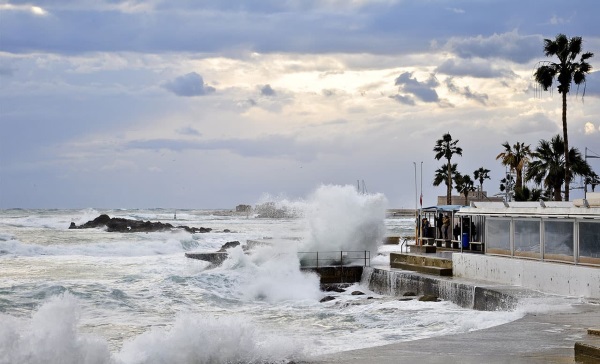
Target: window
[527, 237]
[558, 239]
[589, 239]
[497, 235]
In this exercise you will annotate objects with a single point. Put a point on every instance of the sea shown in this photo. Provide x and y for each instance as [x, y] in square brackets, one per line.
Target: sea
[93, 296]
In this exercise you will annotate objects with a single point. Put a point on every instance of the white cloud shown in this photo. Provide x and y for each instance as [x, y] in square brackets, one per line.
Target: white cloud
[590, 128]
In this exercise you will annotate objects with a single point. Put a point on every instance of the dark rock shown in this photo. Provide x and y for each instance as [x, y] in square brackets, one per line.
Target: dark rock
[117, 224]
[429, 298]
[370, 297]
[357, 293]
[229, 244]
[405, 299]
[409, 294]
[327, 298]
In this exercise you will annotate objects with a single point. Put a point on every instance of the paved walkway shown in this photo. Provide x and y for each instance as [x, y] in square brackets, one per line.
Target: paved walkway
[535, 338]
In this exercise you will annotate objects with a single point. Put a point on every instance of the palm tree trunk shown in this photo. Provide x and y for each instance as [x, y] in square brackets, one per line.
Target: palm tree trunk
[557, 195]
[566, 139]
[449, 185]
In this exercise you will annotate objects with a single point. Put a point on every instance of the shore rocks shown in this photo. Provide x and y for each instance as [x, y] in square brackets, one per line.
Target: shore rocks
[429, 298]
[122, 225]
[327, 299]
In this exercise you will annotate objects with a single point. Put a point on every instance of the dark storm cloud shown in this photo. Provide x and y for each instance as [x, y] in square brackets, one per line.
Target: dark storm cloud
[422, 90]
[394, 27]
[191, 84]
[266, 90]
[511, 46]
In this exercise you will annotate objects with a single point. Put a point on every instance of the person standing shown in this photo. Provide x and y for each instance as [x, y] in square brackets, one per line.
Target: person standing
[445, 225]
[438, 224]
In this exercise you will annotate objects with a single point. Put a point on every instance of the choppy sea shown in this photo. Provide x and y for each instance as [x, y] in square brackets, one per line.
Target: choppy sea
[92, 296]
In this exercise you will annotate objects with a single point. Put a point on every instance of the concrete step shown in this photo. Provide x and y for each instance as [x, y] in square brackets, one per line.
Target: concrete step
[588, 350]
[437, 271]
[419, 259]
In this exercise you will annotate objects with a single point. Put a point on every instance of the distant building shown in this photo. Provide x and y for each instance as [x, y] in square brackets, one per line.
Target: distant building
[475, 196]
[243, 208]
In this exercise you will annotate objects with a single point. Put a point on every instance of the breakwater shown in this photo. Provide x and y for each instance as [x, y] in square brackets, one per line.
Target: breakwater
[397, 283]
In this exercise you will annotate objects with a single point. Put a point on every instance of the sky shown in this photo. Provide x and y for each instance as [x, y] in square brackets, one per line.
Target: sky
[211, 104]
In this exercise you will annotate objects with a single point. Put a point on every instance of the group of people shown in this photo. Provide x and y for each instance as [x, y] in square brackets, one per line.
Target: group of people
[442, 222]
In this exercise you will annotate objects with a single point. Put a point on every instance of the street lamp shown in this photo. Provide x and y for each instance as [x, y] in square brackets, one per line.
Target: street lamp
[585, 180]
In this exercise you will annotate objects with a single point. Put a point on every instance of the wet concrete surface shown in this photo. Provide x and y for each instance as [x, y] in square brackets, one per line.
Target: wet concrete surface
[535, 338]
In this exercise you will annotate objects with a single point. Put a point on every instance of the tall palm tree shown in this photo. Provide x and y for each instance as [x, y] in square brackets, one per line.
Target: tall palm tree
[548, 167]
[566, 71]
[464, 185]
[441, 175]
[480, 175]
[515, 157]
[446, 148]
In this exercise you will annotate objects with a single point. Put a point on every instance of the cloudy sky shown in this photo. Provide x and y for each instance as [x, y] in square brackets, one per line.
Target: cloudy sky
[210, 104]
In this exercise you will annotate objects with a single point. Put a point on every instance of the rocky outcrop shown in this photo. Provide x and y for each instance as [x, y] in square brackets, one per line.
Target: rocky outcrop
[117, 224]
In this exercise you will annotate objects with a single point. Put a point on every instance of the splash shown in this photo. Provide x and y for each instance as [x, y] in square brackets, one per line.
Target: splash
[340, 218]
[272, 274]
[51, 336]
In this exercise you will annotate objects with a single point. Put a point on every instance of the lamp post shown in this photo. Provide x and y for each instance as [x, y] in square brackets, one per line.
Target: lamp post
[585, 180]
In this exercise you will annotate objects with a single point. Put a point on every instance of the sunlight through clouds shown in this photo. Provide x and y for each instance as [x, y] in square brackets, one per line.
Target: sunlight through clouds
[35, 10]
[590, 128]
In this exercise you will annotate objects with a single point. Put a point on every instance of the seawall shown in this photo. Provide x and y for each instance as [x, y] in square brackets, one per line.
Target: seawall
[465, 294]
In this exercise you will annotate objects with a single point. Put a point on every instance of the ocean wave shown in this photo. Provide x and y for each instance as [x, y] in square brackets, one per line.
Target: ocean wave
[52, 336]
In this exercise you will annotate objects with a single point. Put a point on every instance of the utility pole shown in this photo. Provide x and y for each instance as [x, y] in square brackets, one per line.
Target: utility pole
[585, 179]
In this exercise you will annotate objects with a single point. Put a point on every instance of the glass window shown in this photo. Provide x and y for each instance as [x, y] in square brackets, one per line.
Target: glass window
[527, 236]
[558, 236]
[589, 239]
[497, 234]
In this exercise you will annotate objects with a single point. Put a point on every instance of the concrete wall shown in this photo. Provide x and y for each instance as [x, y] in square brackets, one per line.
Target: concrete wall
[556, 278]
[397, 283]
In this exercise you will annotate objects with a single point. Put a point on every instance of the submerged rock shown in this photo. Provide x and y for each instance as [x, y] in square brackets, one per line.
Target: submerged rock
[357, 293]
[327, 298]
[117, 224]
[429, 298]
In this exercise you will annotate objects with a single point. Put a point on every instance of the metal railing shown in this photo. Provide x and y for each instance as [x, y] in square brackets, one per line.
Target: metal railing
[335, 258]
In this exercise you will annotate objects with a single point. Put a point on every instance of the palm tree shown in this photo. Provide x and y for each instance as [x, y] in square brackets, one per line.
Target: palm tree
[593, 180]
[515, 157]
[441, 175]
[446, 148]
[507, 186]
[548, 167]
[480, 175]
[566, 71]
[464, 185]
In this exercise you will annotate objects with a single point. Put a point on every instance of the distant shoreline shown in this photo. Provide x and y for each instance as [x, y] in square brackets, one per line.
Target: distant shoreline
[400, 212]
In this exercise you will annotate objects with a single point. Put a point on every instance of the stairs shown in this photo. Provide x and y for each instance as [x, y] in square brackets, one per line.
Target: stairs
[432, 265]
[588, 351]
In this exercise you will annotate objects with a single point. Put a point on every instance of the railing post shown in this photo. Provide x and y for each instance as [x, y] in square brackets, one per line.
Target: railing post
[341, 266]
[317, 259]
